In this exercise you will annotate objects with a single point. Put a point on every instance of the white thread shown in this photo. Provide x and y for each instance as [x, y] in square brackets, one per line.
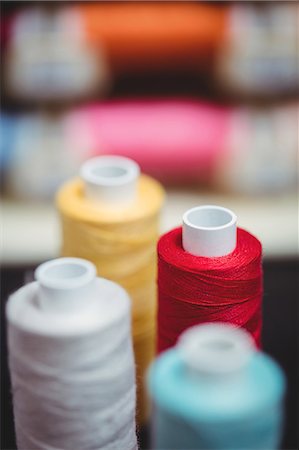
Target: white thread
[73, 375]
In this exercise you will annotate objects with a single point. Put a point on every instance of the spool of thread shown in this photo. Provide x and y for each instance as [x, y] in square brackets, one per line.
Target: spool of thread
[7, 140]
[244, 149]
[262, 151]
[47, 59]
[71, 360]
[258, 57]
[214, 391]
[152, 36]
[110, 217]
[36, 175]
[174, 140]
[208, 271]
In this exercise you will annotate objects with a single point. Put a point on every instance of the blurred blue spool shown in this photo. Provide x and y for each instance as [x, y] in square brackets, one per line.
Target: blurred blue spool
[209, 411]
[7, 140]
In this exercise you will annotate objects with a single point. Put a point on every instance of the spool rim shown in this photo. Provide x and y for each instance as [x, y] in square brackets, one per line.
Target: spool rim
[215, 348]
[65, 273]
[96, 171]
[210, 208]
[209, 231]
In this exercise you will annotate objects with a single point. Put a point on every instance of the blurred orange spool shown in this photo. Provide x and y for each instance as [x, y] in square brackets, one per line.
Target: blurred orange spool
[154, 36]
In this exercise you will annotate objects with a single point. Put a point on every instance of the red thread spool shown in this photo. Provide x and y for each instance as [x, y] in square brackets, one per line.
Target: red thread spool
[221, 281]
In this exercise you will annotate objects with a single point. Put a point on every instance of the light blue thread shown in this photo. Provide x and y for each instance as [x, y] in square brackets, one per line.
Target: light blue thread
[196, 413]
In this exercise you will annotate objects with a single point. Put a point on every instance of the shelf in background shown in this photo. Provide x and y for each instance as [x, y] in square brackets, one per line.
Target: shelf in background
[31, 232]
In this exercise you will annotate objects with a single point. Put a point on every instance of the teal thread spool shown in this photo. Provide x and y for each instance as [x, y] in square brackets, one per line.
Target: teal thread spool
[215, 391]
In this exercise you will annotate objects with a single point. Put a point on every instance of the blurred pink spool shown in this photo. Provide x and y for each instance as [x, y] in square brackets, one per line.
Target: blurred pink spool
[171, 139]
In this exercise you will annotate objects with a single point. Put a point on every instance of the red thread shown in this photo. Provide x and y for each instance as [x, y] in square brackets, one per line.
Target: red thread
[194, 290]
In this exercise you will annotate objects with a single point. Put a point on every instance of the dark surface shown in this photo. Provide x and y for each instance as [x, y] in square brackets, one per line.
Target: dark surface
[279, 340]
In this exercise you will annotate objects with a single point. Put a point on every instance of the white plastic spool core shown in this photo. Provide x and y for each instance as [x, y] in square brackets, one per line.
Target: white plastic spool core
[209, 231]
[65, 284]
[111, 180]
[215, 349]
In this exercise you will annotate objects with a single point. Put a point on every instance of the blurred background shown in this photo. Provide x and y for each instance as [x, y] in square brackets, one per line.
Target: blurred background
[203, 95]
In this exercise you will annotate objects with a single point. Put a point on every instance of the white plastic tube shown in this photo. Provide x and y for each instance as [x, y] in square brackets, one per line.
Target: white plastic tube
[65, 284]
[111, 180]
[209, 231]
[215, 349]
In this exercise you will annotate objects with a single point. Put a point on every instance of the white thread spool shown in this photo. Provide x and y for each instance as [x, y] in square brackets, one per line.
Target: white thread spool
[111, 180]
[209, 231]
[215, 349]
[71, 362]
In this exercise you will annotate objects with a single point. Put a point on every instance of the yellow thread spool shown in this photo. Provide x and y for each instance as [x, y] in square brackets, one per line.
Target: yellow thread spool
[110, 217]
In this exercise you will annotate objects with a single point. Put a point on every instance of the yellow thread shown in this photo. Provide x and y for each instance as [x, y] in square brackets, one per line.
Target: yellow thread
[121, 242]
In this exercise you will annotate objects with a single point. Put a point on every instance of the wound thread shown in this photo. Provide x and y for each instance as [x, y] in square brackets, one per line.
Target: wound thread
[72, 368]
[121, 242]
[195, 290]
[215, 391]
